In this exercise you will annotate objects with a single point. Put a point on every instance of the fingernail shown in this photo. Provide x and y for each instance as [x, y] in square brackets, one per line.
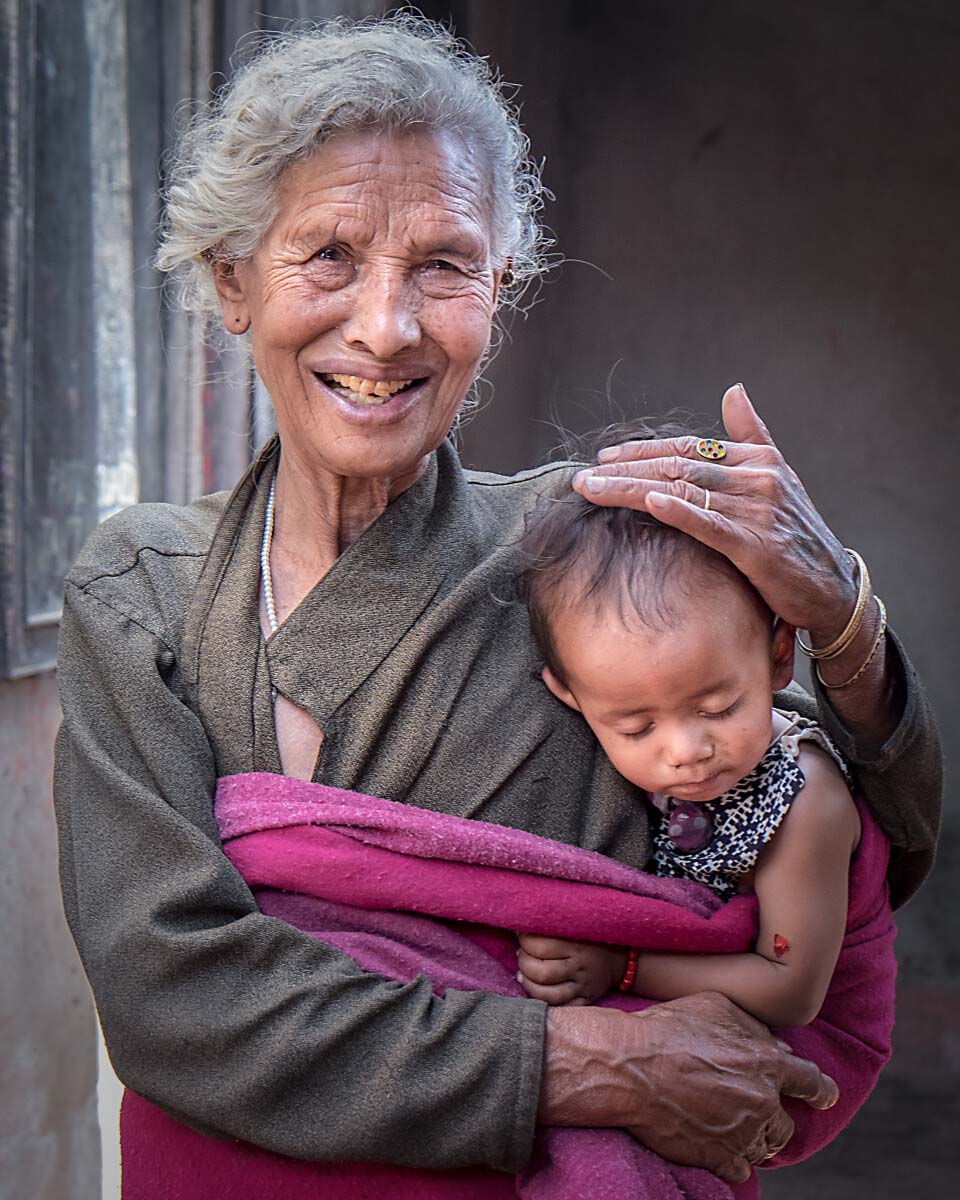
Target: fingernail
[655, 500]
[519, 977]
[580, 477]
[597, 483]
[743, 390]
[608, 454]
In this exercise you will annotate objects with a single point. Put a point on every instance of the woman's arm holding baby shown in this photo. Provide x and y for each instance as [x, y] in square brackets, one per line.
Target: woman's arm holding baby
[801, 882]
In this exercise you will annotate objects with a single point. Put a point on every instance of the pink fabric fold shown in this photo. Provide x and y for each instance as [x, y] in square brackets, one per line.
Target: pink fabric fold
[407, 892]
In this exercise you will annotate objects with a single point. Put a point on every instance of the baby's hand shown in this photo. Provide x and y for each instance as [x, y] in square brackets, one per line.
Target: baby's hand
[562, 972]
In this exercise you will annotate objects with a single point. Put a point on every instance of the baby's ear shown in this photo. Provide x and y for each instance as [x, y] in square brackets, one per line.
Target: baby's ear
[559, 688]
[781, 653]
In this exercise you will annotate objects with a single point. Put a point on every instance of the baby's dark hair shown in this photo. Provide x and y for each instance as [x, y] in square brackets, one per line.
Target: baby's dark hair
[576, 554]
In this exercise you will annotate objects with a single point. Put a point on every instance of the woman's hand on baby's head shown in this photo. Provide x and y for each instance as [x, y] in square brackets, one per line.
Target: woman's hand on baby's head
[558, 971]
[759, 515]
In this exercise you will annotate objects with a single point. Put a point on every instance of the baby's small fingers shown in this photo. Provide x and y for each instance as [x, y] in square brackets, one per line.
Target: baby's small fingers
[543, 971]
[558, 993]
[544, 947]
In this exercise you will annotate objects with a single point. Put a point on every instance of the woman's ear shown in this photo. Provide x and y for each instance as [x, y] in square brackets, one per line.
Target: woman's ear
[233, 302]
[781, 653]
[559, 689]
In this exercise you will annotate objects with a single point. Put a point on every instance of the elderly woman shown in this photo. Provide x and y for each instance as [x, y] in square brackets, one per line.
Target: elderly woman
[356, 203]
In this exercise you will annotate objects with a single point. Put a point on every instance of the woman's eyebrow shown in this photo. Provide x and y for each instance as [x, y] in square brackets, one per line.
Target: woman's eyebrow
[449, 250]
[448, 244]
[315, 232]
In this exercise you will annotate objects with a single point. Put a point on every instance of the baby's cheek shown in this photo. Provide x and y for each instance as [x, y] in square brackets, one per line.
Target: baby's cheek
[751, 742]
[627, 760]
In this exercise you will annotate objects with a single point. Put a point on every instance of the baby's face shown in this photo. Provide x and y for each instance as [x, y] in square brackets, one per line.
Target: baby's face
[685, 712]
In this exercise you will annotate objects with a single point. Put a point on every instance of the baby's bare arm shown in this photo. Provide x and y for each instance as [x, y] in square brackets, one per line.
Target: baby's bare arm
[801, 882]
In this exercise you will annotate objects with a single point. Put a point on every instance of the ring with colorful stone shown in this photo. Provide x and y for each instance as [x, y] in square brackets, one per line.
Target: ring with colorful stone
[711, 449]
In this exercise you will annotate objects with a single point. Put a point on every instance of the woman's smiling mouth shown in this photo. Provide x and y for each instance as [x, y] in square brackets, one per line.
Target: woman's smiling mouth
[367, 392]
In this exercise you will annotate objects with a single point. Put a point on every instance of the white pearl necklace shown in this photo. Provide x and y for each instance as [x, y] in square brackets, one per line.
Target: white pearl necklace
[266, 579]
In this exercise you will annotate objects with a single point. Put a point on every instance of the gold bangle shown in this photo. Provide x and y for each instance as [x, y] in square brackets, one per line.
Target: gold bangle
[877, 641]
[852, 628]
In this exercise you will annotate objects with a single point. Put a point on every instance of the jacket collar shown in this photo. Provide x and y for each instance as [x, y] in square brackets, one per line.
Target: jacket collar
[343, 629]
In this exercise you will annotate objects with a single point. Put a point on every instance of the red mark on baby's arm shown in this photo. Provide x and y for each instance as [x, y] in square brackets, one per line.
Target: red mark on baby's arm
[780, 945]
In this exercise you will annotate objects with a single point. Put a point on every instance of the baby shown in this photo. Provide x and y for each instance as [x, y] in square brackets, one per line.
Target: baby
[672, 657]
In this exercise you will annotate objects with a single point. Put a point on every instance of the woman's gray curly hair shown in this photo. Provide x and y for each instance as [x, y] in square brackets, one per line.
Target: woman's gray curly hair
[306, 85]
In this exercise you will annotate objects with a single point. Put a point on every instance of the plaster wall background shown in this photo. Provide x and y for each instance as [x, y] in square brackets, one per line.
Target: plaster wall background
[49, 1148]
[765, 192]
[770, 193]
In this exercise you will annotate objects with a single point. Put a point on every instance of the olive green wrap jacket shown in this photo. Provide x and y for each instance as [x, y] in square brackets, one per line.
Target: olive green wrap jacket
[425, 681]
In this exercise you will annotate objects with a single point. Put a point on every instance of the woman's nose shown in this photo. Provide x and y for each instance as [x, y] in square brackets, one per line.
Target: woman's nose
[383, 319]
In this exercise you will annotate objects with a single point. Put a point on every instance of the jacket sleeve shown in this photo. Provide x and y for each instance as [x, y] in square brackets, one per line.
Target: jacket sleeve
[902, 780]
[233, 1022]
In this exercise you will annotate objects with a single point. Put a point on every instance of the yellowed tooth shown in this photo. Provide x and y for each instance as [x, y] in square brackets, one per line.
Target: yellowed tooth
[381, 388]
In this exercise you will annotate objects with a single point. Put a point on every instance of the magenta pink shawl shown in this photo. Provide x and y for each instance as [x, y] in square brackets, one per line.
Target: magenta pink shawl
[370, 876]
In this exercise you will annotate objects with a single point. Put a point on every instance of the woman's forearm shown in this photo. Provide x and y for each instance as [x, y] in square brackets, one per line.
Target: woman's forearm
[871, 706]
[236, 1022]
[696, 1080]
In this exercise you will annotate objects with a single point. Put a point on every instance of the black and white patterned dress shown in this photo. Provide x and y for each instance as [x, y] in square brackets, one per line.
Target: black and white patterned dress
[718, 841]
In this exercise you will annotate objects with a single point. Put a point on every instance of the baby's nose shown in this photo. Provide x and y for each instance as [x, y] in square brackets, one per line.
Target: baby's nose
[688, 748]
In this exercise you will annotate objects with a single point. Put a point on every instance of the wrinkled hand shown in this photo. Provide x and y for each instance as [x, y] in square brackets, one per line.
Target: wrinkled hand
[563, 972]
[696, 1080]
[760, 517]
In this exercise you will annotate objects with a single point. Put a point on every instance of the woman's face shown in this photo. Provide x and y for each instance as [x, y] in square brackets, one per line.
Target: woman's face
[369, 300]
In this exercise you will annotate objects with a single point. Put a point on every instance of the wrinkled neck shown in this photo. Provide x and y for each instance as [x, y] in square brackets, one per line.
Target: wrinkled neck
[317, 516]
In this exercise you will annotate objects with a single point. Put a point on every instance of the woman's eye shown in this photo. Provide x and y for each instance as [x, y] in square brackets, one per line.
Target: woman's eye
[439, 264]
[331, 268]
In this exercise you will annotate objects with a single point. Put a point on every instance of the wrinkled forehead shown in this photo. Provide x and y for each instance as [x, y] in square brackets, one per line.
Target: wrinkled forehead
[392, 185]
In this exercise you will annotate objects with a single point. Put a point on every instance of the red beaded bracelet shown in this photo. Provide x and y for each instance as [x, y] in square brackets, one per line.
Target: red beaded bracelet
[630, 973]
